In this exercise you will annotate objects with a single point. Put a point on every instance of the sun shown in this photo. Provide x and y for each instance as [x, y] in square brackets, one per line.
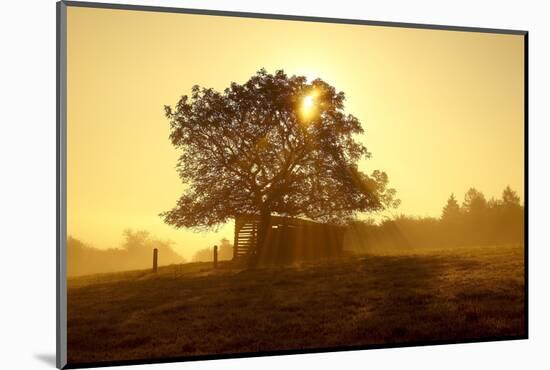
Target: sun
[309, 104]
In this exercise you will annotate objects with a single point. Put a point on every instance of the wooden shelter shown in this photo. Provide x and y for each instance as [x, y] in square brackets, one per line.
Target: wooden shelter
[288, 240]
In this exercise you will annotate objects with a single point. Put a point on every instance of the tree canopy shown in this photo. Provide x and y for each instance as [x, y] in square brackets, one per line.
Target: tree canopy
[273, 145]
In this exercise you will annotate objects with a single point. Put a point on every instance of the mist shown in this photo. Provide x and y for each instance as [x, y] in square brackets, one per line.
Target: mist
[476, 222]
[134, 253]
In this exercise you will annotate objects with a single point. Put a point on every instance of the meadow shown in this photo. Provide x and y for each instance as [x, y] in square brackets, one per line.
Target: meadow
[384, 299]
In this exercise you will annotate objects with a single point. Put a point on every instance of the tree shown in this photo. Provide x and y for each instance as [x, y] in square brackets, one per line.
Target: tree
[474, 201]
[226, 250]
[451, 211]
[510, 198]
[273, 145]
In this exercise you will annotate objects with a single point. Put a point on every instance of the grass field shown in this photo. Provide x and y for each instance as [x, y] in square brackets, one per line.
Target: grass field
[190, 310]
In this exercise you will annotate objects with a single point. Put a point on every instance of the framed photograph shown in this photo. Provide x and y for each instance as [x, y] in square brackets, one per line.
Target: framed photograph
[235, 184]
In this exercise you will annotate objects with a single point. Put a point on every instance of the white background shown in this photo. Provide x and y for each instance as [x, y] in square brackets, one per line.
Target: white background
[27, 183]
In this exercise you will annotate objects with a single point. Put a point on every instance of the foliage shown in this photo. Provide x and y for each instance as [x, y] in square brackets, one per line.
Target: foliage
[251, 150]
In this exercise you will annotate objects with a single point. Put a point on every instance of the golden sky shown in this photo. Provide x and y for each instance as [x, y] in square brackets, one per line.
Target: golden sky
[442, 110]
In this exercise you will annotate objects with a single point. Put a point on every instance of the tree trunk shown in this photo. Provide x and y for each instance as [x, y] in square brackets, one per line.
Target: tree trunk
[263, 230]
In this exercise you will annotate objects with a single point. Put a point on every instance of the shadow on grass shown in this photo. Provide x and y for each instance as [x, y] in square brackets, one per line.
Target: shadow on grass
[369, 300]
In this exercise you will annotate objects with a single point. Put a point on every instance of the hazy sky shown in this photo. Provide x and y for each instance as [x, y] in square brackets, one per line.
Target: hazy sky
[442, 110]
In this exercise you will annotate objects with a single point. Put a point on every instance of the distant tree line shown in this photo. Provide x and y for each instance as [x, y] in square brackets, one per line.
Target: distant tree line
[225, 252]
[136, 252]
[477, 221]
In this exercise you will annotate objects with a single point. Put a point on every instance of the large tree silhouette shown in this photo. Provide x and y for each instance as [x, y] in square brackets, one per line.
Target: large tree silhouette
[273, 145]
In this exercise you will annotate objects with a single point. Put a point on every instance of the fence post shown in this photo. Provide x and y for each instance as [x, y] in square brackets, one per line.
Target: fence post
[215, 256]
[155, 259]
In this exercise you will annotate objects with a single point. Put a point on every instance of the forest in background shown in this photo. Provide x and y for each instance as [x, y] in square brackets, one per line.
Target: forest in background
[135, 253]
[476, 222]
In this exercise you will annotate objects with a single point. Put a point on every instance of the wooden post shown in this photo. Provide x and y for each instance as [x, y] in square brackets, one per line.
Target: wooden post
[155, 259]
[215, 256]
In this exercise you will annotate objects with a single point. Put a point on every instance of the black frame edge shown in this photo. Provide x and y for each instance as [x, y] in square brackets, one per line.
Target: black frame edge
[61, 182]
[286, 17]
[526, 178]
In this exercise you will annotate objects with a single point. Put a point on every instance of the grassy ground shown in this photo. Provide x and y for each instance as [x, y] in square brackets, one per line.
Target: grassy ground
[189, 310]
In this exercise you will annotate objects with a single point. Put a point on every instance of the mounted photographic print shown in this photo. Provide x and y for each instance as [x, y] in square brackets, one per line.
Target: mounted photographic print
[236, 184]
